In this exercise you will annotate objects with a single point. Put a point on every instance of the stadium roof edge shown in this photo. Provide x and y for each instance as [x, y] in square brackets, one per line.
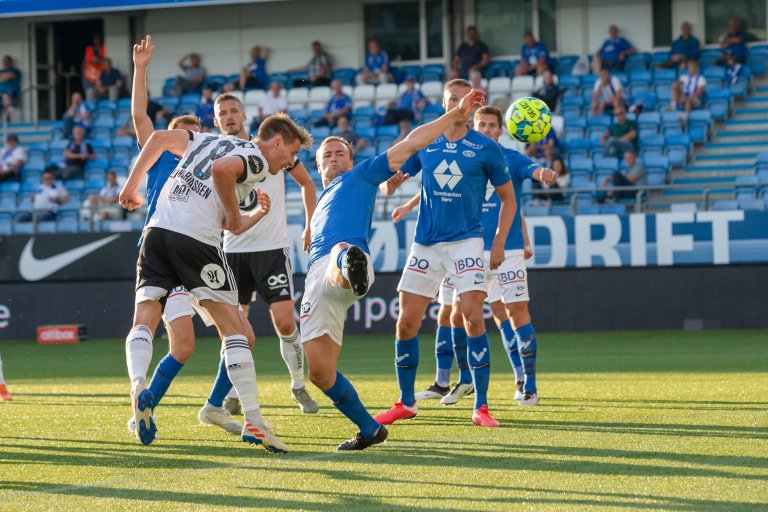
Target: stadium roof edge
[19, 8]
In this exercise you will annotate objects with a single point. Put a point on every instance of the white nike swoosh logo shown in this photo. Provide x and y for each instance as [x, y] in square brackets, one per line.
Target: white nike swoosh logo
[35, 269]
[400, 359]
[430, 150]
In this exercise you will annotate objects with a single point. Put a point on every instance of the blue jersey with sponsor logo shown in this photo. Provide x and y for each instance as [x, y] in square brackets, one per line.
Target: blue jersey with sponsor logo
[520, 168]
[156, 177]
[345, 209]
[453, 186]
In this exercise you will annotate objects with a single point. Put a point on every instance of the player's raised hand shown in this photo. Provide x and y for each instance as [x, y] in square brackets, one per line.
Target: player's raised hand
[130, 199]
[400, 212]
[547, 175]
[475, 98]
[497, 256]
[142, 52]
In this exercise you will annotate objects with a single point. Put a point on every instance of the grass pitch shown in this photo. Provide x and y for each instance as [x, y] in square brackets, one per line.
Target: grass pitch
[628, 421]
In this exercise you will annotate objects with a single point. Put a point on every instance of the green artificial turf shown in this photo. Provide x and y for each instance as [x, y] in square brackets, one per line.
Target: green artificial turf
[627, 421]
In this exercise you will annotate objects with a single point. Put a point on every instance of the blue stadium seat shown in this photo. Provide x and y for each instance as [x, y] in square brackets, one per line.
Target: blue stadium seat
[12, 187]
[613, 209]
[606, 163]
[346, 75]
[569, 82]
[677, 148]
[719, 103]
[6, 224]
[654, 178]
[638, 61]
[587, 209]
[392, 131]
[655, 162]
[761, 161]
[535, 210]
[561, 210]
[565, 64]
[215, 82]
[435, 69]
[498, 68]
[659, 56]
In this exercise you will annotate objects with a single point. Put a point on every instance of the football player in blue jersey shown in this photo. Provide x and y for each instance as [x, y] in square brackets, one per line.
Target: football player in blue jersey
[508, 285]
[340, 268]
[449, 241]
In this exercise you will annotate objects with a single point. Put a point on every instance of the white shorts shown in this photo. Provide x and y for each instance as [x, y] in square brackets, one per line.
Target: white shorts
[180, 302]
[509, 282]
[445, 295]
[324, 304]
[462, 261]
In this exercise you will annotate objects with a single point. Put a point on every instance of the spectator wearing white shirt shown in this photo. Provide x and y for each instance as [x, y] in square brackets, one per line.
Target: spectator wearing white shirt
[50, 194]
[607, 94]
[12, 157]
[689, 89]
[271, 103]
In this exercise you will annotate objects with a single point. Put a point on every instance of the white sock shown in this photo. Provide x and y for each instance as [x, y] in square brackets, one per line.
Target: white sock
[242, 373]
[2, 377]
[138, 354]
[232, 393]
[293, 355]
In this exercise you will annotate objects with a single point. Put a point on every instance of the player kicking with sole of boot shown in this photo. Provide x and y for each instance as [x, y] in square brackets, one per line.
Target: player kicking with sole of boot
[181, 247]
[448, 241]
[340, 269]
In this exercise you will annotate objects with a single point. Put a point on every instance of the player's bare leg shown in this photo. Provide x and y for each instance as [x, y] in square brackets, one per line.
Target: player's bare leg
[242, 373]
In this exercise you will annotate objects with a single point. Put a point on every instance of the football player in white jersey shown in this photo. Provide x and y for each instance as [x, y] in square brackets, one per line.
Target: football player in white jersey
[260, 261]
[181, 246]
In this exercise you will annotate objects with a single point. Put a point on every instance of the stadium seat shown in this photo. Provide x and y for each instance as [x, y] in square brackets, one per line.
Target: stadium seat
[522, 85]
[725, 205]
[432, 90]
[613, 209]
[499, 68]
[700, 124]
[677, 148]
[253, 97]
[346, 75]
[364, 94]
[298, 97]
[535, 210]
[719, 103]
[499, 85]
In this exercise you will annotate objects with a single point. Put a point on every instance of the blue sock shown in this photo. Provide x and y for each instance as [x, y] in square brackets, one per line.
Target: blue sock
[443, 355]
[510, 345]
[345, 399]
[526, 341]
[221, 386]
[480, 363]
[459, 336]
[165, 371]
[406, 363]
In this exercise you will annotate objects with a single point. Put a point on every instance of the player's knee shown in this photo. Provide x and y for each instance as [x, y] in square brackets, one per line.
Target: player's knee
[182, 350]
[322, 377]
[407, 326]
[444, 316]
[285, 326]
[457, 319]
[518, 312]
[474, 323]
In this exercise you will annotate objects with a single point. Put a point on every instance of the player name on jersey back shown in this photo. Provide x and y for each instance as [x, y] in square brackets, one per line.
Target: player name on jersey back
[188, 202]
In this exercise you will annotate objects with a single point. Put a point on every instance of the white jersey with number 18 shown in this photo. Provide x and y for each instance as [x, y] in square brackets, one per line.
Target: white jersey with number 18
[188, 203]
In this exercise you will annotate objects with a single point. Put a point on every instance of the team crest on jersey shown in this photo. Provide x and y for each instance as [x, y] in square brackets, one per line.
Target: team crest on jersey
[213, 275]
[305, 309]
[468, 153]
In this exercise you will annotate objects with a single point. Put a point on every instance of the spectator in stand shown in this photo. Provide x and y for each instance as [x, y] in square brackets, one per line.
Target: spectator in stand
[12, 158]
[613, 53]
[93, 64]
[110, 84]
[476, 80]
[254, 74]
[548, 92]
[345, 131]
[733, 43]
[633, 174]
[338, 106]
[546, 150]
[273, 102]
[193, 77]
[205, 110]
[563, 181]
[10, 78]
[534, 57]
[376, 67]
[106, 203]
[408, 106]
[684, 48]
[471, 54]
[319, 67]
[621, 137]
[76, 154]
[76, 115]
[607, 94]
[46, 201]
[689, 89]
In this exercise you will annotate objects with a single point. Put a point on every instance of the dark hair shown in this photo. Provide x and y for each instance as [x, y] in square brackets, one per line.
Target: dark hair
[282, 124]
[12, 137]
[490, 110]
[185, 119]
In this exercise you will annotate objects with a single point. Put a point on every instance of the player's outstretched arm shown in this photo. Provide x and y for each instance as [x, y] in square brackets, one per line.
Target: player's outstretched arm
[142, 55]
[422, 136]
[253, 217]
[404, 209]
[308, 196]
[506, 215]
[545, 175]
[225, 173]
[174, 141]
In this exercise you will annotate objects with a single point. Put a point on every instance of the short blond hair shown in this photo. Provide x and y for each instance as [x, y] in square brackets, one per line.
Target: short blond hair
[282, 124]
[185, 119]
[457, 81]
[341, 140]
[228, 97]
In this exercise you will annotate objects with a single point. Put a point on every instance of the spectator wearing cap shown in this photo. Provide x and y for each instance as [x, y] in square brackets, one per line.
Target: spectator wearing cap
[12, 158]
[376, 67]
[47, 199]
[471, 54]
[408, 106]
[613, 53]
[534, 57]
[684, 48]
